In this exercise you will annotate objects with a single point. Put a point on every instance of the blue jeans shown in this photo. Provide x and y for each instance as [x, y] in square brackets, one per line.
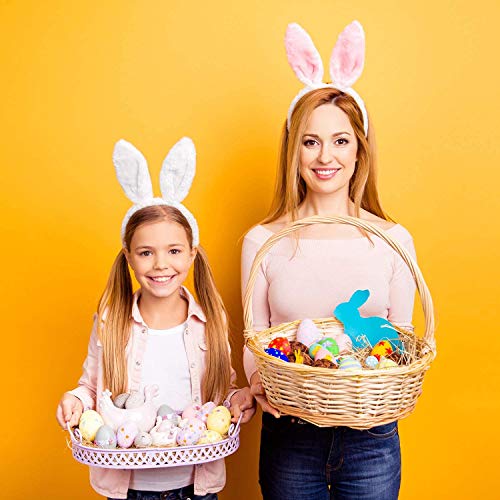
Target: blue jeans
[301, 461]
[186, 493]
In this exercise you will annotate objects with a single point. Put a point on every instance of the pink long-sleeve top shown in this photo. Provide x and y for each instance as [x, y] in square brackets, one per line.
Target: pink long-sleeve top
[209, 477]
[310, 280]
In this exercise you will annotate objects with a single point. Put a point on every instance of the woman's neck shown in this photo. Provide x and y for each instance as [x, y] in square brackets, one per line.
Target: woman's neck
[162, 313]
[326, 204]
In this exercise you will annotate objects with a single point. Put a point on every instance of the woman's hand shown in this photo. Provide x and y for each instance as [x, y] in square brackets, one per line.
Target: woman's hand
[242, 402]
[70, 410]
[260, 395]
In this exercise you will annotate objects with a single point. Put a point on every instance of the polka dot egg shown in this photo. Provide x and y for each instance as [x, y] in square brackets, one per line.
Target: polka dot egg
[89, 424]
[219, 420]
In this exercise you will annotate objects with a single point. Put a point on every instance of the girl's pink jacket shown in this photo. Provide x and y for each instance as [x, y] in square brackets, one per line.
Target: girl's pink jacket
[209, 477]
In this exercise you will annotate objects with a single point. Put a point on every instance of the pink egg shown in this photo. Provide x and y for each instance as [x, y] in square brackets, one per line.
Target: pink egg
[308, 332]
[344, 343]
[191, 411]
[205, 410]
[126, 434]
[323, 353]
[190, 434]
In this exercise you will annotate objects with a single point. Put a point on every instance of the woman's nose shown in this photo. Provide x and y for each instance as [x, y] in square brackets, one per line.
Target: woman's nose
[325, 155]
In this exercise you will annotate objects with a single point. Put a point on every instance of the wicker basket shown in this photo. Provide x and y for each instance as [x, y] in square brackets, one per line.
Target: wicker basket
[149, 458]
[359, 399]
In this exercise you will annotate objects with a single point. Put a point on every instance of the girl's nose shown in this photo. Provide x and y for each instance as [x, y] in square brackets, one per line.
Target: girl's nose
[161, 263]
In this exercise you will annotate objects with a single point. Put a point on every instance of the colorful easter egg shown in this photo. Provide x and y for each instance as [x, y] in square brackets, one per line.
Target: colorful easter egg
[276, 353]
[308, 332]
[205, 410]
[344, 342]
[322, 353]
[314, 348]
[143, 440]
[382, 348]
[371, 362]
[219, 420]
[282, 344]
[191, 411]
[209, 437]
[89, 424]
[349, 363]
[385, 363]
[330, 344]
[105, 437]
[126, 434]
[190, 434]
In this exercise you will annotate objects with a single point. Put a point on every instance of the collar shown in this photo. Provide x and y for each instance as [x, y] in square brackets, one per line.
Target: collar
[194, 309]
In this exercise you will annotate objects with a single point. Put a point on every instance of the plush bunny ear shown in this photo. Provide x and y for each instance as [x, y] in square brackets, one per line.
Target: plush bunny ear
[132, 172]
[177, 171]
[359, 297]
[348, 56]
[303, 56]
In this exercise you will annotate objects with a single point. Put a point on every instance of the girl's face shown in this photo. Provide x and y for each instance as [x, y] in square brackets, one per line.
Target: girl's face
[160, 257]
[328, 151]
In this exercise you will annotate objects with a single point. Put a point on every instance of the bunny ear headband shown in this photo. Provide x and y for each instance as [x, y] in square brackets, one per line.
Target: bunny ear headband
[176, 177]
[346, 63]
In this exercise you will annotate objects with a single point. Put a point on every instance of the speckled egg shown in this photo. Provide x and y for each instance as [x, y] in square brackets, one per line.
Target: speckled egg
[135, 400]
[191, 411]
[385, 363]
[121, 399]
[330, 345]
[276, 353]
[105, 437]
[219, 420]
[126, 434]
[190, 434]
[205, 410]
[209, 437]
[143, 440]
[371, 362]
[89, 424]
[382, 348]
[349, 363]
[282, 344]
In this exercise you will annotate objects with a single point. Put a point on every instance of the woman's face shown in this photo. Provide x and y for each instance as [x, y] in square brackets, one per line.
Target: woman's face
[328, 151]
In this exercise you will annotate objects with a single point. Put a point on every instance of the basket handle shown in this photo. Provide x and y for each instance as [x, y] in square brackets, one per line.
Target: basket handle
[423, 291]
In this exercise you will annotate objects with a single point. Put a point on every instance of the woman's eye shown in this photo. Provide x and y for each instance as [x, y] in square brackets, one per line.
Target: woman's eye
[341, 141]
[309, 143]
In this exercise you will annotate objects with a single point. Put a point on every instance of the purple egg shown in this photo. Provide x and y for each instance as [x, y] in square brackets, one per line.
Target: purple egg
[276, 353]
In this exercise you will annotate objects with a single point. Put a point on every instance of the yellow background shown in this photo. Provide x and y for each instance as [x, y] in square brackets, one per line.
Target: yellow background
[77, 76]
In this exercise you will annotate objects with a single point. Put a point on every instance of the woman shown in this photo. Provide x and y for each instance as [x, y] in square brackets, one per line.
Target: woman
[326, 167]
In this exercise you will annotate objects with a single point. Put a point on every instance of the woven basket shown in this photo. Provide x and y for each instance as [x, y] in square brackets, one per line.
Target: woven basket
[359, 399]
[148, 458]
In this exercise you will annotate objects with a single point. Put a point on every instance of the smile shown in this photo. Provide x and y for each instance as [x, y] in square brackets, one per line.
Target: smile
[161, 279]
[324, 173]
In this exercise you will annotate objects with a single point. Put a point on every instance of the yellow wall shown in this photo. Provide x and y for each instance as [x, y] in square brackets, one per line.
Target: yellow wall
[76, 76]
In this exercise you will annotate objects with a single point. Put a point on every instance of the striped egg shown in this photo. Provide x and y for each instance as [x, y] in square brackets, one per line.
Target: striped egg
[349, 363]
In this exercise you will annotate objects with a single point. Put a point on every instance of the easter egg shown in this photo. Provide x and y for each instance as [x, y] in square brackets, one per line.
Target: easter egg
[385, 363]
[282, 344]
[349, 363]
[371, 362]
[143, 440]
[330, 345]
[276, 353]
[105, 437]
[89, 424]
[314, 348]
[209, 437]
[322, 353]
[135, 400]
[344, 342]
[382, 348]
[191, 411]
[126, 434]
[121, 399]
[205, 410]
[190, 434]
[219, 420]
[164, 411]
[308, 332]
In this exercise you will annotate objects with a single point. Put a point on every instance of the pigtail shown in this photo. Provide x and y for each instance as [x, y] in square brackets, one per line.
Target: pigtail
[116, 305]
[218, 365]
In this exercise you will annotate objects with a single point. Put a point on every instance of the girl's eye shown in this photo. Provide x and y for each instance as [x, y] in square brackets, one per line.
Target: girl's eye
[341, 141]
[146, 253]
[309, 143]
[175, 251]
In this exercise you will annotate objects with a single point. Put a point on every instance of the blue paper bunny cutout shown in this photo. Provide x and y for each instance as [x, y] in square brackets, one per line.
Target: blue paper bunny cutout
[364, 331]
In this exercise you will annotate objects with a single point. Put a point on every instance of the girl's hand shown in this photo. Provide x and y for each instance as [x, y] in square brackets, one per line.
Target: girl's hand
[260, 395]
[242, 402]
[70, 410]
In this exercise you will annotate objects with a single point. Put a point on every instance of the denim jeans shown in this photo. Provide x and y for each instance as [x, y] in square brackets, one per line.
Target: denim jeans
[301, 461]
[186, 493]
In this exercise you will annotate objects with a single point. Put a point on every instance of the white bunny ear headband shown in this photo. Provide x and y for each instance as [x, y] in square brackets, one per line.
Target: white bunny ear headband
[346, 63]
[176, 177]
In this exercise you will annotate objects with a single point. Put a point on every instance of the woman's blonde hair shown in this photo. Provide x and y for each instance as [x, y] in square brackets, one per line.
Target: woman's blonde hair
[115, 312]
[290, 189]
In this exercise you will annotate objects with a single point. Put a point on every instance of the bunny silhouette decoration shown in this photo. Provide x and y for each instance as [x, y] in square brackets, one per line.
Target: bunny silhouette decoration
[176, 177]
[363, 331]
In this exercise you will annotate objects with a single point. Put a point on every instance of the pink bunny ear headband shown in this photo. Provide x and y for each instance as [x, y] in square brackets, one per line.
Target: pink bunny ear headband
[346, 63]
[176, 177]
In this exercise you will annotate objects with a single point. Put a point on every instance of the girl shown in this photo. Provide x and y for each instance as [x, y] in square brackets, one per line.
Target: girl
[326, 167]
[159, 335]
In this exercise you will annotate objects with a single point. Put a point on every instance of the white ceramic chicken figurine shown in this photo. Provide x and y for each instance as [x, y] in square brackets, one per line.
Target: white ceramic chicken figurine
[144, 416]
[164, 433]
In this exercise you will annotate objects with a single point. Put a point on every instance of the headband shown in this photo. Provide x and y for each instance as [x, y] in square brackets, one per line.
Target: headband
[346, 63]
[176, 177]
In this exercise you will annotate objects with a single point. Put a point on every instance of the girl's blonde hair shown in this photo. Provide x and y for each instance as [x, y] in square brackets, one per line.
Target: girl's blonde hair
[115, 312]
[290, 189]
